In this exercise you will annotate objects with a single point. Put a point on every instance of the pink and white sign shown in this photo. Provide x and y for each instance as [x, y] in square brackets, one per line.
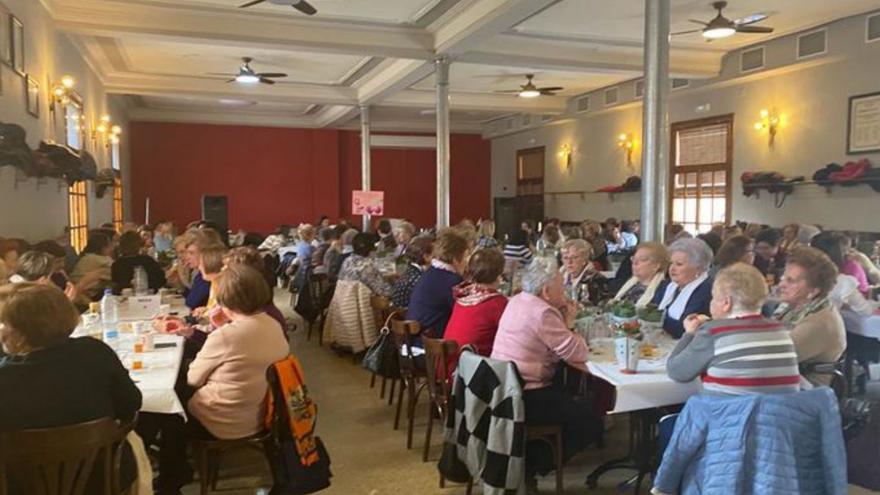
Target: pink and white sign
[368, 203]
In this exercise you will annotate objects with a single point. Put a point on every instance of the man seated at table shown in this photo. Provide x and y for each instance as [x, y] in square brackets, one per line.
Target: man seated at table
[535, 334]
[737, 351]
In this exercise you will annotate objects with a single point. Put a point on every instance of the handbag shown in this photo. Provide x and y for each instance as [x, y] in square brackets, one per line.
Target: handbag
[382, 357]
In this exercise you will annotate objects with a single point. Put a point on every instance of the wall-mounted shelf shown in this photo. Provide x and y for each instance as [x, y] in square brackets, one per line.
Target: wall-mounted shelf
[583, 194]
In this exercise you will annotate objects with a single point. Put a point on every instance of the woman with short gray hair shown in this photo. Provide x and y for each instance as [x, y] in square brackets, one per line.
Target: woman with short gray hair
[534, 333]
[690, 287]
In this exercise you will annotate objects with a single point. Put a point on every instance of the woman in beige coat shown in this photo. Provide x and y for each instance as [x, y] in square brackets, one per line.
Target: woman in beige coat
[229, 372]
[818, 332]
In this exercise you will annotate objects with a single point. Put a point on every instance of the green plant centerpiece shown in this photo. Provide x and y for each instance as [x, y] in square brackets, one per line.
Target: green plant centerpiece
[650, 313]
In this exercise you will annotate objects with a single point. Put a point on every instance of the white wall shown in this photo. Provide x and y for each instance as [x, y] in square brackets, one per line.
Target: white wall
[29, 209]
[812, 96]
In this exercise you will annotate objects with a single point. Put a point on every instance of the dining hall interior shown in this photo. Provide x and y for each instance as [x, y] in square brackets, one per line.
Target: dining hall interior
[495, 246]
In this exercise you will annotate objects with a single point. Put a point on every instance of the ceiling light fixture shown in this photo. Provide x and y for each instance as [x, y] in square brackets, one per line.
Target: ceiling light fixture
[247, 79]
[529, 93]
[714, 33]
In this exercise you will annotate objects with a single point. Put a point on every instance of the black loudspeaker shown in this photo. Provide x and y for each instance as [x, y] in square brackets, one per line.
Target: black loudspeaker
[215, 209]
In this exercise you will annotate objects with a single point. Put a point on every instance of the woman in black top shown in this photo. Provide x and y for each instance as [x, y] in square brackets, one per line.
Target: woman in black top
[131, 246]
[49, 379]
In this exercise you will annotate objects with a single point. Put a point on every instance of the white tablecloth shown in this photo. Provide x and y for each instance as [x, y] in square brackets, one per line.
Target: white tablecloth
[159, 373]
[649, 388]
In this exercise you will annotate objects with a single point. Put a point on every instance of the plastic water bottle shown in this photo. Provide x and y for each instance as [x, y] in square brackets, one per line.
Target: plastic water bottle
[139, 281]
[110, 318]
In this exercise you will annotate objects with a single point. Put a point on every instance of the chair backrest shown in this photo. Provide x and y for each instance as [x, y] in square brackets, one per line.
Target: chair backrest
[438, 356]
[404, 332]
[381, 306]
[59, 461]
[665, 427]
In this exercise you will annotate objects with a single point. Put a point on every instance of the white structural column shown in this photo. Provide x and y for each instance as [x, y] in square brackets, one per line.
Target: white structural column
[655, 121]
[365, 157]
[442, 75]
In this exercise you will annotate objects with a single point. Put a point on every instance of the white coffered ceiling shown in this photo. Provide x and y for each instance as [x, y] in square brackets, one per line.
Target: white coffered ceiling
[380, 53]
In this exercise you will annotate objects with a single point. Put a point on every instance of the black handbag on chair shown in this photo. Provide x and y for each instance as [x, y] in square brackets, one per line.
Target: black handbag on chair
[381, 358]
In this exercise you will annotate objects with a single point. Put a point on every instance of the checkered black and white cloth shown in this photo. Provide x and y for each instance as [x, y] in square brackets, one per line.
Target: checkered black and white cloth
[484, 438]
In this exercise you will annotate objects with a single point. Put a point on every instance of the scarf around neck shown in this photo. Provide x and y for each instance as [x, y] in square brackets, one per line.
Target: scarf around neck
[787, 314]
[647, 296]
[471, 294]
[674, 306]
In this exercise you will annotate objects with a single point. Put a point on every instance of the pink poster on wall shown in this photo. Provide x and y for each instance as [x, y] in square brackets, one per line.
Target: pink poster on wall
[368, 203]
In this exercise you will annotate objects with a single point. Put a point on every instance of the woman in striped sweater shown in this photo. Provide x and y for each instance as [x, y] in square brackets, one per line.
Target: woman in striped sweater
[737, 351]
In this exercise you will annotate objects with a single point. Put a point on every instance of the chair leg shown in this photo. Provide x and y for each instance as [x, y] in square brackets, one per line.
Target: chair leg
[391, 393]
[399, 402]
[427, 449]
[382, 390]
[559, 459]
[309, 332]
[321, 333]
[410, 412]
[203, 471]
[470, 486]
[215, 470]
[373, 380]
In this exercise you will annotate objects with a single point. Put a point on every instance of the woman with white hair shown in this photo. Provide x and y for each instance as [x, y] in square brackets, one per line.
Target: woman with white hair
[690, 288]
[535, 334]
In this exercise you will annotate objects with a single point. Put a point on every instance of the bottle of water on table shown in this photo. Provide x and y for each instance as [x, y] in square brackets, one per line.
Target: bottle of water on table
[139, 281]
[110, 318]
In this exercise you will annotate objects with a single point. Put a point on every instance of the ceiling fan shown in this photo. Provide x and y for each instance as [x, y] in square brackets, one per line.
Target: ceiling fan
[300, 5]
[246, 75]
[529, 90]
[722, 27]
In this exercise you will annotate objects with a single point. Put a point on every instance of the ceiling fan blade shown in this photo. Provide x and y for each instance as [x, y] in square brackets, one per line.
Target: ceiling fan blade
[753, 29]
[698, 22]
[750, 19]
[551, 88]
[225, 74]
[231, 80]
[272, 74]
[686, 32]
[266, 81]
[546, 92]
[305, 7]
[250, 4]
[507, 91]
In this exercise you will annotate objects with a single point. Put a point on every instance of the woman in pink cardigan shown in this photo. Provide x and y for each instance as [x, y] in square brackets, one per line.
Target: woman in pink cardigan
[229, 372]
[535, 334]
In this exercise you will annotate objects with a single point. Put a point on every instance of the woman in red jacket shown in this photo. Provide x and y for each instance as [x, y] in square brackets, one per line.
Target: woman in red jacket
[478, 304]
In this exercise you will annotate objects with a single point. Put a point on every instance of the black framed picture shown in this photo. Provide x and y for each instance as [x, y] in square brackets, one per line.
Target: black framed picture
[17, 40]
[863, 124]
[32, 95]
[5, 36]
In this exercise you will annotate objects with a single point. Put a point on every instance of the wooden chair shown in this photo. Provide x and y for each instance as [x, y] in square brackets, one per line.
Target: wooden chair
[412, 375]
[318, 285]
[59, 461]
[382, 309]
[552, 435]
[438, 357]
[209, 453]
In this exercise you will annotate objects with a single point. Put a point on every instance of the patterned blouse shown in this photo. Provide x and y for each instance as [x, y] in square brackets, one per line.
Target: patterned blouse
[403, 288]
[361, 269]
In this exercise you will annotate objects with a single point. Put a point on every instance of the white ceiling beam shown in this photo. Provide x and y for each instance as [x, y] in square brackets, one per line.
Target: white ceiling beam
[456, 32]
[216, 26]
[335, 115]
[413, 98]
[229, 117]
[512, 50]
[205, 88]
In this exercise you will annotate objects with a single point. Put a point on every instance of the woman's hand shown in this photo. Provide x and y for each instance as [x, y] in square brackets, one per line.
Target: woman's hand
[217, 317]
[569, 312]
[693, 322]
[172, 325]
[199, 312]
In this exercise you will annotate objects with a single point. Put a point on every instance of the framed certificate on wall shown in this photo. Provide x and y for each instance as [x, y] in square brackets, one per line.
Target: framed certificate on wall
[863, 125]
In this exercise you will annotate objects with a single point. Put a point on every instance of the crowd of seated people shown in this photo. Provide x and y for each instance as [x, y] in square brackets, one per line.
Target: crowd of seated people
[712, 290]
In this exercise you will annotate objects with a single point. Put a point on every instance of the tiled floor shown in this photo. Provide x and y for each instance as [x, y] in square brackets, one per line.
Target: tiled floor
[369, 457]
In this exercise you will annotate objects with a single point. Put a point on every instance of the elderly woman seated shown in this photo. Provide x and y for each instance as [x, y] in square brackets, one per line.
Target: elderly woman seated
[431, 301]
[818, 332]
[736, 351]
[846, 292]
[418, 254]
[535, 334]
[649, 264]
[359, 267]
[690, 287]
[583, 283]
[49, 379]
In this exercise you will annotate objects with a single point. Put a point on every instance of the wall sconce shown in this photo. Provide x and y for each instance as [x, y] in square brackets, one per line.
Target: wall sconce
[61, 91]
[626, 142]
[565, 156]
[107, 131]
[769, 122]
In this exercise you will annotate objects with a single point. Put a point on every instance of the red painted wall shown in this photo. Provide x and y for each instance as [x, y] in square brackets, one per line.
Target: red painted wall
[279, 175]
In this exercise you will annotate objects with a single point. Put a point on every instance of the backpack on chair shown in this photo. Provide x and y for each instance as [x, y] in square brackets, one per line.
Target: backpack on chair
[299, 462]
